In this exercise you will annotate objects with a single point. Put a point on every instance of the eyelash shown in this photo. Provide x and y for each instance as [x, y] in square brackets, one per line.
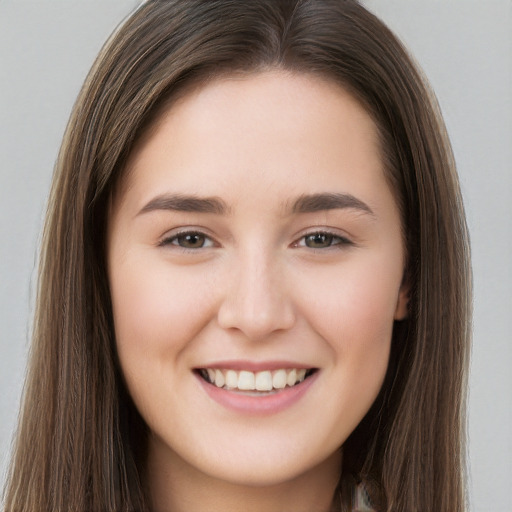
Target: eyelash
[339, 241]
[334, 241]
[175, 238]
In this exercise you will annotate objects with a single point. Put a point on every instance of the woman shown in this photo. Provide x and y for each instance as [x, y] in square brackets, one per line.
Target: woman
[255, 251]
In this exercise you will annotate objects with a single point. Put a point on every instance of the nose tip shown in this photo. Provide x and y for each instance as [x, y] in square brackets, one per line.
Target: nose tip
[256, 303]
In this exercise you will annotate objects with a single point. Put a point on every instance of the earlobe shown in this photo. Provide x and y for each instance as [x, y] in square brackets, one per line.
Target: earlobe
[402, 309]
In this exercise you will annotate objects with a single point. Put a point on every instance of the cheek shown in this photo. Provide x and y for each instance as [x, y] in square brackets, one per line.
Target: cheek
[156, 313]
[356, 305]
[354, 314]
[360, 336]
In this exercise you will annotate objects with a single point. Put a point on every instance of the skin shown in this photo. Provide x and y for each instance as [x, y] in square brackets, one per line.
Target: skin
[258, 289]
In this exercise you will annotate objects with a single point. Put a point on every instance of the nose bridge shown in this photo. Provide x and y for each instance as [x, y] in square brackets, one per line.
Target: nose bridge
[256, 300]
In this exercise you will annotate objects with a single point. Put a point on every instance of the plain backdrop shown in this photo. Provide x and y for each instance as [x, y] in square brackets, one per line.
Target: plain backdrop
[464, 47]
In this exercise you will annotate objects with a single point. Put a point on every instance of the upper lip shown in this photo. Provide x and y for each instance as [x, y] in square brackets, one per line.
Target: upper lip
[254, 366]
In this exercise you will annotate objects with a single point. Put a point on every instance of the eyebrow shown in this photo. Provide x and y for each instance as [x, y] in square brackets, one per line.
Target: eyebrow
[306, 203]
[311, 203]
[186, 203]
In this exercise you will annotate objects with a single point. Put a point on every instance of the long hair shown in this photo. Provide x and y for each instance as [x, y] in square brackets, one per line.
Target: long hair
[81, 443]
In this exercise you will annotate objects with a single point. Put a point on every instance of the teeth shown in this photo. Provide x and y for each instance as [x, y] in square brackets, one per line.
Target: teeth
[279, 379]
[231, 379]
[291, 379]
[219, 379]
[263, 381]
[249, 381]
[245, 381]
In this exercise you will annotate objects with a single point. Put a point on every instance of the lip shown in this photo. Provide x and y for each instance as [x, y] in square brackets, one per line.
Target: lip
[257, 405]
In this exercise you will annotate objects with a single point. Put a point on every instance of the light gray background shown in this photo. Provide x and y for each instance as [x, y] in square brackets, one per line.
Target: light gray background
[465, 48]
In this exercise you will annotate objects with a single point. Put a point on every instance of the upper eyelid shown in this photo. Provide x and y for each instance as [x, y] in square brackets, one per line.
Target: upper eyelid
[345, 240]
[172, 235]
[324, 231]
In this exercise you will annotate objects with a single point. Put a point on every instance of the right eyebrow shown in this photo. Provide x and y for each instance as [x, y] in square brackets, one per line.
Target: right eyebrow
[185, 203]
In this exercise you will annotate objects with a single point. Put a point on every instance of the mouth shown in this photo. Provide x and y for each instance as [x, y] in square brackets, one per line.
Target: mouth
[255, 383]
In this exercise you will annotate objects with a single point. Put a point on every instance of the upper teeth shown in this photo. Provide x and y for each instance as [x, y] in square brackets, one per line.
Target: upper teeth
[260, 381]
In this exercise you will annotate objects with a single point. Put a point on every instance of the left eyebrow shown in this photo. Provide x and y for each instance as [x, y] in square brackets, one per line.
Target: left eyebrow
[311, 203]
[185, 203]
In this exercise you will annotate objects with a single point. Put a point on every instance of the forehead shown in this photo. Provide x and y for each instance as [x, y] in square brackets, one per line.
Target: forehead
[276, 123]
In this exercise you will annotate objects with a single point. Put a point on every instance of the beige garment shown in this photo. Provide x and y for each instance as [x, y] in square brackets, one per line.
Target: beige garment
[362, 500]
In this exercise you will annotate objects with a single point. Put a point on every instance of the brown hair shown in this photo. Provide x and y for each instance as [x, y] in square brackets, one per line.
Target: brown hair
[80, 443]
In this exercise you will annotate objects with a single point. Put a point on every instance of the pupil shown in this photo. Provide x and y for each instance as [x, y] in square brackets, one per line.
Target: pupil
[193, 240]
[318, 240]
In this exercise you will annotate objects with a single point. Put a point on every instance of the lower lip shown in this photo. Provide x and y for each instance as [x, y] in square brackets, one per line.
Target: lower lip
[258, 405]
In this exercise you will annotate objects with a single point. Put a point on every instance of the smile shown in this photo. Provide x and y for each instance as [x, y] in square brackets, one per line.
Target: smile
[245, 380]
[265, 391]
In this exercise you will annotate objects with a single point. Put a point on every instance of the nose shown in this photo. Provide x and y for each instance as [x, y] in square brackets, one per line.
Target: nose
[256, 300]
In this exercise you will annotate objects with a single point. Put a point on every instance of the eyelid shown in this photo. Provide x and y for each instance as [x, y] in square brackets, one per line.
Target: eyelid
[173, 235]
[344, 240]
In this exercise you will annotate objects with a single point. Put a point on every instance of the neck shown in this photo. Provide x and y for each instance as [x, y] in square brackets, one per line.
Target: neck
[175, 486]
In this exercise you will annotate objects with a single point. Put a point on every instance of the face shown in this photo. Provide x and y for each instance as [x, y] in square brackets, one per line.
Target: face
[255, 261]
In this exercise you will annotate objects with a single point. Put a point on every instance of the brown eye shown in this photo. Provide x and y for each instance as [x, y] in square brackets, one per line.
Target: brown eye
[320, 240]
[189, 240]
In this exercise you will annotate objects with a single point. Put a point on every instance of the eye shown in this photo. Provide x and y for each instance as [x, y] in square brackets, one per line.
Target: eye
[189, 240]
[322, 240]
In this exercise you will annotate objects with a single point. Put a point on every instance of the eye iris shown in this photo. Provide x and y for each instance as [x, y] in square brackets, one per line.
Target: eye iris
[319, 240]
[191, 240]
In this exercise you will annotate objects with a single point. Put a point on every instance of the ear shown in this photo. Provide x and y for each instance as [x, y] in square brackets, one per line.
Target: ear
[402, 309]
